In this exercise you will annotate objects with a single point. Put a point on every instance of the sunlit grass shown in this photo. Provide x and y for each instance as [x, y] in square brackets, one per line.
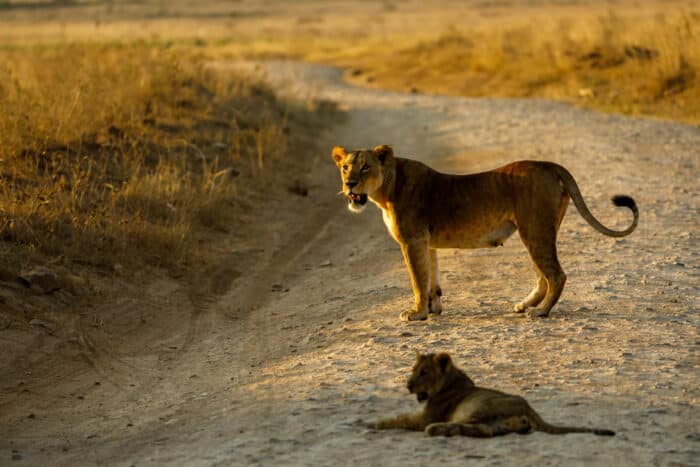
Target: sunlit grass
[642, 65]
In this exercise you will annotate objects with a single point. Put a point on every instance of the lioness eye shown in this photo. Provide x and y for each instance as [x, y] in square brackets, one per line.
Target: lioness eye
[365, 168]
[345, 167]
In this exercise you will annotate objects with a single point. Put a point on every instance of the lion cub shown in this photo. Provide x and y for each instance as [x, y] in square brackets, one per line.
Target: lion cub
[456, 407]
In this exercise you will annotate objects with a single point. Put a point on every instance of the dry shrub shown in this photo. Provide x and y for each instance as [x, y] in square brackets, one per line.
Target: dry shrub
[116, 154]
[645, 64]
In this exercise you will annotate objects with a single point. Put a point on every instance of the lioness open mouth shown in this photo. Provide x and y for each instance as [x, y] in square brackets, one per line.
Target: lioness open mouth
[355, 198]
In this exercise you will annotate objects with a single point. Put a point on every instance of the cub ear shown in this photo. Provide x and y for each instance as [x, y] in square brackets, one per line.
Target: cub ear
[338, 154]
[443, 361]
[384, 153]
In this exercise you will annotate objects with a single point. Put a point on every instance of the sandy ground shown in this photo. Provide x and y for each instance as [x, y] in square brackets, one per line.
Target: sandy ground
[294, 338]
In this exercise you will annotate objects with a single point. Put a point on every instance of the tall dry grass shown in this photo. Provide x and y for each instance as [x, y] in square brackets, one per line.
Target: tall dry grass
[118, 154]
[637, 64]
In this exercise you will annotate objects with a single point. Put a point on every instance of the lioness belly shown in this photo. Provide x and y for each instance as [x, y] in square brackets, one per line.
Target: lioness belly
[479, 236]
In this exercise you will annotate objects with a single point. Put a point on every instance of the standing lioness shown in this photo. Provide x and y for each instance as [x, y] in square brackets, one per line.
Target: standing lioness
[425, 209]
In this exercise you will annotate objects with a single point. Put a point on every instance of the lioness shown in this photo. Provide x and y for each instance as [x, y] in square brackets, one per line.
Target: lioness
[425, 209]
[456, 407]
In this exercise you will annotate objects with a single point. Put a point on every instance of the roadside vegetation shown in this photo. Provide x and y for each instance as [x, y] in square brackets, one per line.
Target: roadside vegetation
[119, 156]
[631, 64]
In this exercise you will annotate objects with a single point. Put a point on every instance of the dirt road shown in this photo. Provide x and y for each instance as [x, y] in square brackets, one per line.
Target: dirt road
[274, 357]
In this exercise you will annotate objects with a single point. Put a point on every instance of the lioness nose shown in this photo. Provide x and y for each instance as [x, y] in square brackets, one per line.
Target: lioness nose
[409, 385]
[350, 184]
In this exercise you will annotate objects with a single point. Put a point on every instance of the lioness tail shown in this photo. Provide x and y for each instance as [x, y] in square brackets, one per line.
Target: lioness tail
[619, 200]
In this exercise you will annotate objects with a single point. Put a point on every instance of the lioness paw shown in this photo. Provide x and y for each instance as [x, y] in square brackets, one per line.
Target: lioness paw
[435, 305]
[535, 313]
[413, 315]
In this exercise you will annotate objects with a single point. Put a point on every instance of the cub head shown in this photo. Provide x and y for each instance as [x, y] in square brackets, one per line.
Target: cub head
[362, 172]
[429, 375]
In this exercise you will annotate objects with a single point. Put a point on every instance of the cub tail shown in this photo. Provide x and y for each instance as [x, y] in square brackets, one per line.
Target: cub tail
[538, 424]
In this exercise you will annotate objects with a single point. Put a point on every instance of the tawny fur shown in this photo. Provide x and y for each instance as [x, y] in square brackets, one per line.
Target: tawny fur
[455, 406]
[425, 210]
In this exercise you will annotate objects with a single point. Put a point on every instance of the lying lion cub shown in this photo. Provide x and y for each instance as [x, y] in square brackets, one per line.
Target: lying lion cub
[424, 210]
[456, 407]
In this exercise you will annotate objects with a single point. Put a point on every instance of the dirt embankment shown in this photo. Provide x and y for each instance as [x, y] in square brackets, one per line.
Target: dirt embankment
[279, 367]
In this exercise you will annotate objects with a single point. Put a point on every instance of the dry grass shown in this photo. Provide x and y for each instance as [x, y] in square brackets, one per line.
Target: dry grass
[119, 154]
[632, 56]
[636, 64]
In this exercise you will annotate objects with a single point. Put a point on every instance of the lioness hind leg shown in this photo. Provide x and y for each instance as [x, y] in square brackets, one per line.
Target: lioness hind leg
[540, 241]
[545, 259]
[549, 265]
[434, 300]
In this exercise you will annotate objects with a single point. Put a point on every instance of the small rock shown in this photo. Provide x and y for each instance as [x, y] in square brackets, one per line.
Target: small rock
[41, 279]
[298, 188]
[7, 276]
[49, 326]
[586, 92]
[325, 264]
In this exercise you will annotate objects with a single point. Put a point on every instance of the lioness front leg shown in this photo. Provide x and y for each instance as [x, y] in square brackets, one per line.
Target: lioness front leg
[416, 254]
[434, 300]
[415, 422]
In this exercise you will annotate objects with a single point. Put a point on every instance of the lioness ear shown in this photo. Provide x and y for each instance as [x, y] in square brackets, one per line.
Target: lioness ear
[384, 153]
[338, 154]
[443, 360]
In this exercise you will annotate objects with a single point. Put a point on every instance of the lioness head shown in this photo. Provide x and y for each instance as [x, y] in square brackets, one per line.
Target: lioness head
[429, 375]
[362, 172]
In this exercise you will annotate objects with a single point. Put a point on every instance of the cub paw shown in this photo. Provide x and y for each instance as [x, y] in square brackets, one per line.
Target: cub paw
[442, 429]
[413, 315]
